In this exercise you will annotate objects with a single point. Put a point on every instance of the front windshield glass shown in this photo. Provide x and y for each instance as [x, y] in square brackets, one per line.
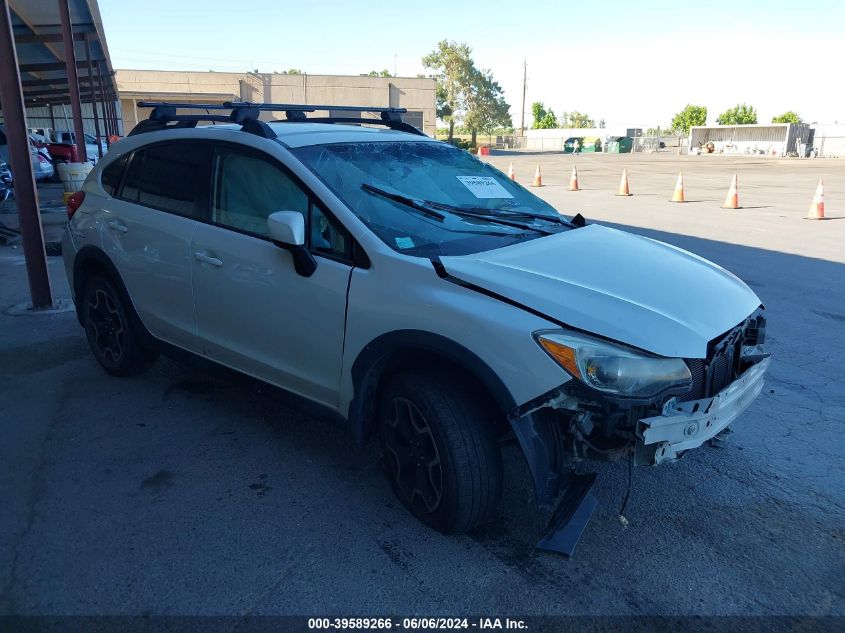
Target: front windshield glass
[475, 206]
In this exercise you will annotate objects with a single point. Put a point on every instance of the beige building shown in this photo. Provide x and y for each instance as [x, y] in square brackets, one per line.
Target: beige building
[417, 95]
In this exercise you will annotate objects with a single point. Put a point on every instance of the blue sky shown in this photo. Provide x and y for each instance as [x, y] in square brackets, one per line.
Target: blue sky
[629, 63]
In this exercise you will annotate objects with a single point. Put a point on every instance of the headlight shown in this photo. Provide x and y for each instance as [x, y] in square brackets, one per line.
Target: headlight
[614, 369]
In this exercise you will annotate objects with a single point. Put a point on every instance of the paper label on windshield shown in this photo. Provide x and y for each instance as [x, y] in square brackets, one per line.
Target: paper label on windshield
[484, 187]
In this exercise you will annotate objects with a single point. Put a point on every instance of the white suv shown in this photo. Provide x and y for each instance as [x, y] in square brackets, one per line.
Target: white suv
[417, 293]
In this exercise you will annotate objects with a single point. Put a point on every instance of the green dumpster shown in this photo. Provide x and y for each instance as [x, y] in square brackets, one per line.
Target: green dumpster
[619, 144]
[591, 144]
[569, 146]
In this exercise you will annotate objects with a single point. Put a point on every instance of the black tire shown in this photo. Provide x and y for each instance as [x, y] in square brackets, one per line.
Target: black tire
[445, 467]
[109, 330]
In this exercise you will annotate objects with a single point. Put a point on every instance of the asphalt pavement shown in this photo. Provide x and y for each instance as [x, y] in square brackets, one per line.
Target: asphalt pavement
[180, 492]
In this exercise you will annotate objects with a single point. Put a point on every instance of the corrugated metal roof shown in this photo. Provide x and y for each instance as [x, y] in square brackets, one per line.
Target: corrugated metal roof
[41, 55]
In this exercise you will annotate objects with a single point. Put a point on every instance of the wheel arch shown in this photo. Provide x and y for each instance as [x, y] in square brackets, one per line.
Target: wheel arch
[91, 260]
[400, 349]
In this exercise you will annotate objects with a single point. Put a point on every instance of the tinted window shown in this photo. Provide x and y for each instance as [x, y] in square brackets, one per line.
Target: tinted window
[248, 188]
[2, 138]
[110, 178]
[174, 178]
[132, 181]
[327, 236]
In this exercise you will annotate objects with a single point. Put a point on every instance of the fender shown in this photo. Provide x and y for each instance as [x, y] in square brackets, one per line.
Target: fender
[388, 348]
[93, 255]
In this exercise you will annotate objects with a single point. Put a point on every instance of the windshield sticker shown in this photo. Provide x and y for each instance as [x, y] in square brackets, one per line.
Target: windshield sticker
[404, 242]
[484, 187]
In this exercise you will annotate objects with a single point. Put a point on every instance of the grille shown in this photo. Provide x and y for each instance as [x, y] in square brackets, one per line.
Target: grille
[699, 374]
[711, 376]
[721, 370]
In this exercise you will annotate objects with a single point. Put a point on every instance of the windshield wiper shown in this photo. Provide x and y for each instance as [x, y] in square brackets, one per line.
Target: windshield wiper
[419, 205]
[498, 212]
[429, 208]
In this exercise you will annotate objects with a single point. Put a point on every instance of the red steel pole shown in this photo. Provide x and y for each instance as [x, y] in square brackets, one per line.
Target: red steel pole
[11, 95]
[73, 81]
[93, 95]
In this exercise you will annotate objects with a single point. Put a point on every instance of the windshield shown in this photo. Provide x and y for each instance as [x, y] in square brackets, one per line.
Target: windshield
[429, 199]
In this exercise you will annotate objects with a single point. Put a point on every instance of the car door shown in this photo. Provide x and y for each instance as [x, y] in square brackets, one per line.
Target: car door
[254, 311]
[147, 230]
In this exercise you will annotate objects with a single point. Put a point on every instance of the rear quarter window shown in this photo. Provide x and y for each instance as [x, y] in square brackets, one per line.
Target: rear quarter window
[112, 174]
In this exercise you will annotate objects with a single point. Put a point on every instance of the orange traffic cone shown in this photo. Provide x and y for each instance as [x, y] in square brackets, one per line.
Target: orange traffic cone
[817, 207]
[678, 194]
[573, 180]
[623, 185]
[732, 201]
[511, 174]
[538, 179]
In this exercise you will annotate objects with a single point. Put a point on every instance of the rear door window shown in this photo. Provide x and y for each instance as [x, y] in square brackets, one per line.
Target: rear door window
[172, 177]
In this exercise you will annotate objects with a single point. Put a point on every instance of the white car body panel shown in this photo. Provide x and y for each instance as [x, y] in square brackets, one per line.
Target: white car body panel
[399, 292]
[618, 285]
[152, 251]
[405, 293]
[270, 322]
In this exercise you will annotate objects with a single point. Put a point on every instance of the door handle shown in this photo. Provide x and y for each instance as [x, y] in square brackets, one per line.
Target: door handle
[205, 258]
[117, 226]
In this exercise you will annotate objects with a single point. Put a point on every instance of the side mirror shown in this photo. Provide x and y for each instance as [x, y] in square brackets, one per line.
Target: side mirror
[287, 227]
[287, 230]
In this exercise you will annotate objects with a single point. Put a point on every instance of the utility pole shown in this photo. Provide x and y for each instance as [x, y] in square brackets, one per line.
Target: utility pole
[524, 84]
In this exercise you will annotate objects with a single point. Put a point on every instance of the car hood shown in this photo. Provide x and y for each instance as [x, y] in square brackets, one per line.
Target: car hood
[622, 286]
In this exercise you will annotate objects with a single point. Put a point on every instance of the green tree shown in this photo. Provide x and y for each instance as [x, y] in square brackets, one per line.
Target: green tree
[379, 73]
[689, 116]
[738, 115]
[453, 70]
[543, 119]
[486, 105]
[292, 71]
[787, 117]
[576, 119]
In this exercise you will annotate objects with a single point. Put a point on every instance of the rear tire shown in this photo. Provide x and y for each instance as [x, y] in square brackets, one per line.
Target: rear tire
[110, 332]
[440, 450]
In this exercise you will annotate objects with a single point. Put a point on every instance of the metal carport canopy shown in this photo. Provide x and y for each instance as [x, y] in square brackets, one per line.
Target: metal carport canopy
[37, 28]
[52, 52]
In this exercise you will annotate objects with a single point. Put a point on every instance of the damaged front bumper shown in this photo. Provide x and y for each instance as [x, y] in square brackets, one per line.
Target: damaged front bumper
[682, 426]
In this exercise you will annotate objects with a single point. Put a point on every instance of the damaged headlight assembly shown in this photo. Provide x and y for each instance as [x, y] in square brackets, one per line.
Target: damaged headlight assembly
[612, 368]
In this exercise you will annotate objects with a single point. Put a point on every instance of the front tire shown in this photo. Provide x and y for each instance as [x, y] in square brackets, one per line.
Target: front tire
[440, 451]
[109, 330]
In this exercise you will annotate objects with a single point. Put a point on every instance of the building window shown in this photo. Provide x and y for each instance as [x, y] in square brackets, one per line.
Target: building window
[414, 117]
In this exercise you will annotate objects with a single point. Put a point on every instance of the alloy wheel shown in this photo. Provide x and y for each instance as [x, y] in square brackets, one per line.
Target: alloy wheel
[108, 326]
[412, 457]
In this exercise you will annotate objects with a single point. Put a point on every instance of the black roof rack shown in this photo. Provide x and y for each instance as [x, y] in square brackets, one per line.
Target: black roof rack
[164, 116]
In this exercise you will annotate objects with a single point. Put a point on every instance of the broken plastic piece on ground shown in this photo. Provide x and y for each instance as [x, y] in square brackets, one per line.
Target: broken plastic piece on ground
[571, 516]
[721, 438]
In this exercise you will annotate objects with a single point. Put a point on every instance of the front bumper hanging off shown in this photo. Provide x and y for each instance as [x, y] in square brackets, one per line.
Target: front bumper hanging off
[680, 426]
[685, 425]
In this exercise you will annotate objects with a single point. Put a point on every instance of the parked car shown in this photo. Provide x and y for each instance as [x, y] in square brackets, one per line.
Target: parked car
[7, 189]
[45, 169]
[61, 145]
[4, 151]
[417, 294]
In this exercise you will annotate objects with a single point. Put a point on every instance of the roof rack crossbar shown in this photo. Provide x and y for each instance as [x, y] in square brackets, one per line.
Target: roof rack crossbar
[247, 114]
[399, 126]
[293, 107]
